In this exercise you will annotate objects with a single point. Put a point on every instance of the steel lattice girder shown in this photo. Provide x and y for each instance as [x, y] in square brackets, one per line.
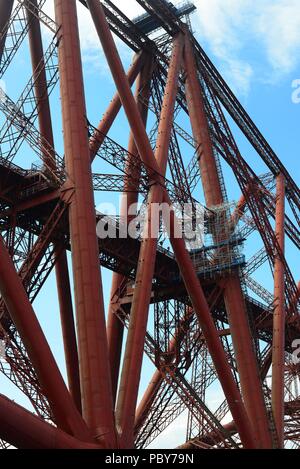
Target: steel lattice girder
[47, 203]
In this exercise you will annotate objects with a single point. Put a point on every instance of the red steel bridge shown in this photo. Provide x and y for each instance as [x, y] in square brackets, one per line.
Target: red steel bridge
[199, 315]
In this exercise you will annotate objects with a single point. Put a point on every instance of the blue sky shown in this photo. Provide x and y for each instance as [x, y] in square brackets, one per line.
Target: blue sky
[256, 46]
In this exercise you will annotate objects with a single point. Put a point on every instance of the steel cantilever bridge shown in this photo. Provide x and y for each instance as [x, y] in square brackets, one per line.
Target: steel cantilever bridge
[198, 314]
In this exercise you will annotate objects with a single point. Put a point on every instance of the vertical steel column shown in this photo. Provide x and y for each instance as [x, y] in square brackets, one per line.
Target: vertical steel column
[68, 327]
[97, 403]
[251, 383]
[211, 336]
[40, 82]
[207, 163]
[115, 327]
[234, 300]
[61, 266]
[130, 377]
[278, 346]
[184, 261]
[5, 13]
[22, 314]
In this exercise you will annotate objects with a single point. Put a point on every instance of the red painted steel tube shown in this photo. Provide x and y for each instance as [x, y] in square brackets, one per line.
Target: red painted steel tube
[97, 403]
[5, 13]
[212, 339]
[61, 266]
[115, 333]
[130, 377]
[278, 345]
[115, 327]
[40, 82]
[115, 106]
[194, 288]
[208, 168]
[23, 316]
[246, 361]
[24, 430]
[68, 328]
[234, 300]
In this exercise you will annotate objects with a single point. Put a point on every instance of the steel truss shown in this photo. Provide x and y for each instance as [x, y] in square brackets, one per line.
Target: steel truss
[188, 310]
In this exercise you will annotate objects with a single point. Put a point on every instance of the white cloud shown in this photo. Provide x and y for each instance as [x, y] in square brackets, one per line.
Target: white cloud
[232, 27]
[282, 37]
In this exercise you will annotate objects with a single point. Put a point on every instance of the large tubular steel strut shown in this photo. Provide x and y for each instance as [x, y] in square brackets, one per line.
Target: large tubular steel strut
[214, 344]
[279, 317]
[97, 404]
[5, 12]
[236, 307]
[204, 327]
[184, 261]
[61, 268]
[24, 318]
[68, 325]
[22, 429]
[130, 377]
[130, 196]
[40, 83]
